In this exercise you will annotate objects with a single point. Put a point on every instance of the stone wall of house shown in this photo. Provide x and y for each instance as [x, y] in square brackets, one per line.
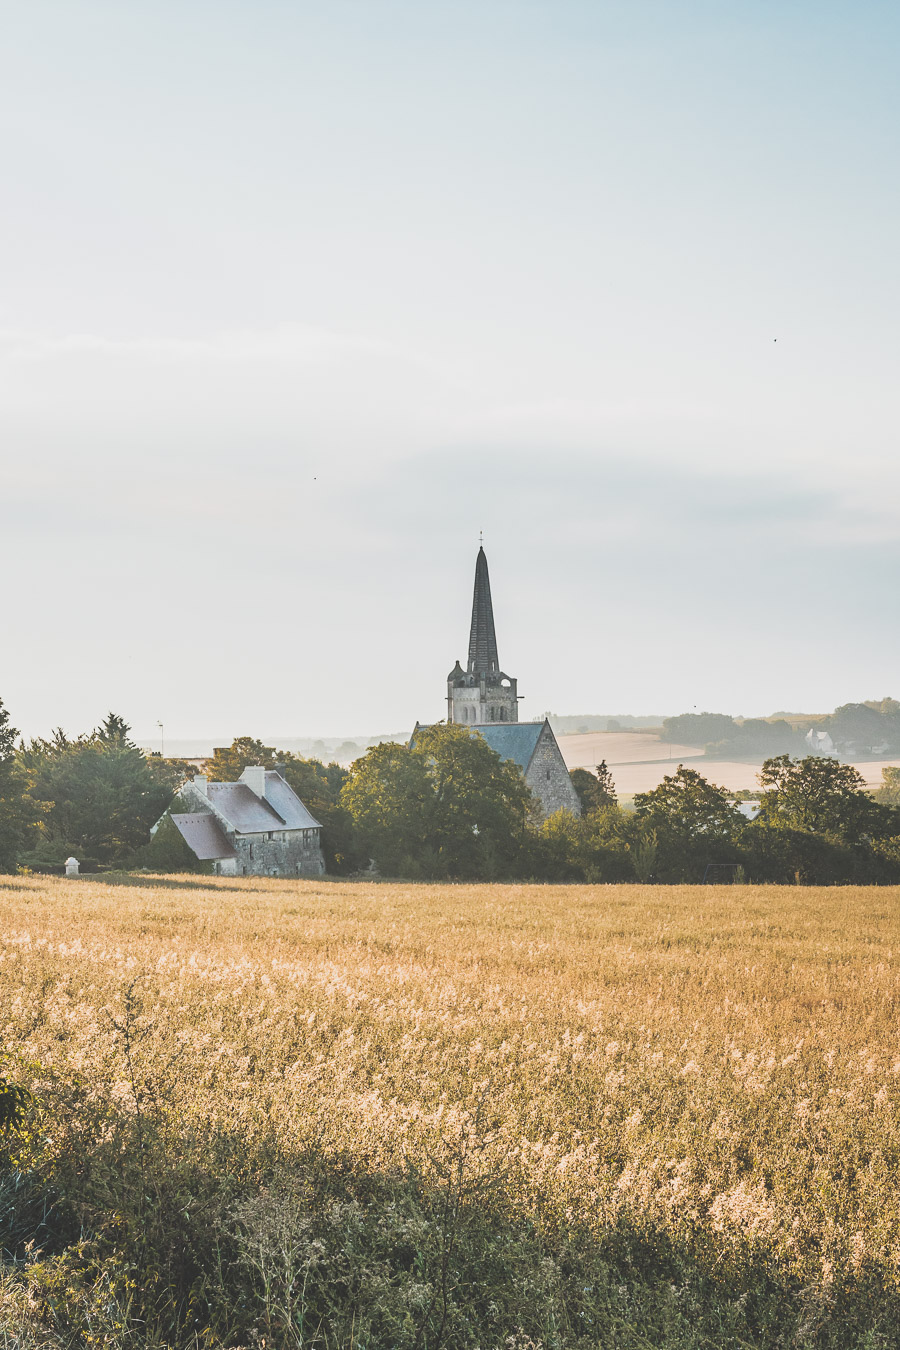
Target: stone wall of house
[281, 853]
[548, 778]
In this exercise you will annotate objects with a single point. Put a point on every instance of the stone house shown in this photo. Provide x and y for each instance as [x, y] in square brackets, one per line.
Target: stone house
[257, 826]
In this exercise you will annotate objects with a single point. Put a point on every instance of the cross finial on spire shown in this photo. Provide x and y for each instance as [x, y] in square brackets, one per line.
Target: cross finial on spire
[481, 538]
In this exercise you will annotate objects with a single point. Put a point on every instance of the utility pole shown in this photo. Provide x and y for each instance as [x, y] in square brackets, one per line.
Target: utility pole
[162, 740]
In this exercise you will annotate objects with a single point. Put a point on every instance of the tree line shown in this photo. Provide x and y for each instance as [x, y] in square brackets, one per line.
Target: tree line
[855, 728]
[449, 808]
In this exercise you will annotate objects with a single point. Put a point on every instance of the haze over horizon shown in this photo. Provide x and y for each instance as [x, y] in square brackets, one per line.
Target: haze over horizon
[297, 299]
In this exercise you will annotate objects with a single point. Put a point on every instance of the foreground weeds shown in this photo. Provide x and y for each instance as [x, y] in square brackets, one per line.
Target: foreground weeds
[324, 1115]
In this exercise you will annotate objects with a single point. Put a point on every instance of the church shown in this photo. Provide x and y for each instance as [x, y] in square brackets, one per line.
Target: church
[485, 698]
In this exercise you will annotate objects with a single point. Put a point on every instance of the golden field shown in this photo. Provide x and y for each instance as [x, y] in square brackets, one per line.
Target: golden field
[720, 1066]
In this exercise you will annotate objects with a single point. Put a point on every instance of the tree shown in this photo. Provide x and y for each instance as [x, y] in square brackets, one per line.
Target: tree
[17, 812]
[113, 731]
[698, 728]
[170, 774]
[557, 850]
[229, 762]
[319, 787]
[595, 790]
[480, 803]
[889, 792]
[645, 853]
[778, 853]
[98, 794]
[694, 822]
[596, 848]
[448, 806]
[387, 795]
[820, 795]
[757, 736]
[859, 724]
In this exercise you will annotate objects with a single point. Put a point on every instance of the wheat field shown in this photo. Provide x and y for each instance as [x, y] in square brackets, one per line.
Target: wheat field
[716, 1067]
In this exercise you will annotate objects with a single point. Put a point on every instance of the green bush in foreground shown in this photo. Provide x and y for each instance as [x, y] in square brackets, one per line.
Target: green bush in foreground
[188, 1242]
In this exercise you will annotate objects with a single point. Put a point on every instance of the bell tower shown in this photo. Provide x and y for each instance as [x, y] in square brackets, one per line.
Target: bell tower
[481, 693]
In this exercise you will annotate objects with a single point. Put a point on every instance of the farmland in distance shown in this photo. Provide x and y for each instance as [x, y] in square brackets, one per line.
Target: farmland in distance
[639, 760]
[386, 1114]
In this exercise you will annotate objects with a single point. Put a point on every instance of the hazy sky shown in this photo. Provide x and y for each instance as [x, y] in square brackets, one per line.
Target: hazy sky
[296, 298]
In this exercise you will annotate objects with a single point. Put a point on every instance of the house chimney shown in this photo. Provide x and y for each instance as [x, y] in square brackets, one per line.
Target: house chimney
[200, 781]
[255, 778]
[279, 768]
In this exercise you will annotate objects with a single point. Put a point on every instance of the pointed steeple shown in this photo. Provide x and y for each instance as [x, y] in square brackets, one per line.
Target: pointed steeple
[482, 638]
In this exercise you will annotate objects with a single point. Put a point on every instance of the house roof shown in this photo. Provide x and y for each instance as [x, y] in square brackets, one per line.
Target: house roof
[243, 811]
[283, 799]
[203, 835]
[512, 740]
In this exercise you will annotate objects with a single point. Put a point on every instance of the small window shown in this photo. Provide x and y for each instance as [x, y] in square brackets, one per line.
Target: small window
[548, 775]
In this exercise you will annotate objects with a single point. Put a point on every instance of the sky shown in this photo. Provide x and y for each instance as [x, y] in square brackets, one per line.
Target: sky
[297, 299]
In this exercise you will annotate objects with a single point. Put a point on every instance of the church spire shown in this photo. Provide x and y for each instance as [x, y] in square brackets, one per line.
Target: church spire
[482, 638]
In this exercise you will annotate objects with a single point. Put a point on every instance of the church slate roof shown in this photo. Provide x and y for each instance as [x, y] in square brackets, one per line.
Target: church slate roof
[483, 658]
[512, 740]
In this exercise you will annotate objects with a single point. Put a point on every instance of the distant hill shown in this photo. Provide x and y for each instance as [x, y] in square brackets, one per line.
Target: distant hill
[574, 723]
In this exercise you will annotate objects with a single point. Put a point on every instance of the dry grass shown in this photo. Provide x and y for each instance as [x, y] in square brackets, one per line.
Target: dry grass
[721, 1064]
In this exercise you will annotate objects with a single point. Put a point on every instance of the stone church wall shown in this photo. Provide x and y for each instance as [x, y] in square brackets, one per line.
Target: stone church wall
[497, 703]
[549, 780]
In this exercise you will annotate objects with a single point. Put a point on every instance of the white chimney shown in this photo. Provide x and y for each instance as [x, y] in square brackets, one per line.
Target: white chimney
[255, 778]
[200, 781]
